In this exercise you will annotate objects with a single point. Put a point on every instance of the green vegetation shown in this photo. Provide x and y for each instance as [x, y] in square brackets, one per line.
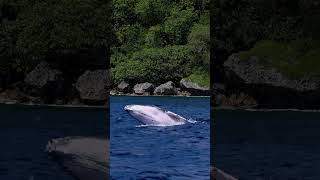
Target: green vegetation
[296, 58]
[203, 79]
[160, 40]
[31, 29]
[283, 34]
[155, 65]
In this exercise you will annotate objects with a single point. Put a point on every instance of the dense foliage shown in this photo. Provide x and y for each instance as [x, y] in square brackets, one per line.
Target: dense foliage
[270, 26]
[30, 29]
[160, 40]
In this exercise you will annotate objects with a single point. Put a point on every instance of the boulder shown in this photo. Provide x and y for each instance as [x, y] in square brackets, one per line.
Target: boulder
[13, 96]
[42, 74]
[235, 100]
[253, 71]
[75, 101]
[183, 93]
[93, 85]
[218, 88]
[113, 92]
[167, 88]
[194, 88]
[270, 87]
[143, 88]
[124, 87]
[44, 82]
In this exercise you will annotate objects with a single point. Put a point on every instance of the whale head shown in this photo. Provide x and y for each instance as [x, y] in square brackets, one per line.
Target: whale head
[85, 158]
[152, 115]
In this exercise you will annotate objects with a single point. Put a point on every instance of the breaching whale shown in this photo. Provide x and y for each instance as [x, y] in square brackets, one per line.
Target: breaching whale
[85, 158]
[152, 115]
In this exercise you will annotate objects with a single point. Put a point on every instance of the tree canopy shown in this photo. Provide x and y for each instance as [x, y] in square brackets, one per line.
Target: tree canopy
[29, 29]
[160, 40]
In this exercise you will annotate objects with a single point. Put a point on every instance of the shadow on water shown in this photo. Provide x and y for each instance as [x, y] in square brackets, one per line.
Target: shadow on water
[25, 131]
[267, 145]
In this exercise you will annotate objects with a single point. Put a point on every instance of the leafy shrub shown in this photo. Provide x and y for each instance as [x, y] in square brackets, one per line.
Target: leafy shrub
[151, 12]
[200, 77]
[199, 41]
[55, 24]
[177, 25]
[156, 65]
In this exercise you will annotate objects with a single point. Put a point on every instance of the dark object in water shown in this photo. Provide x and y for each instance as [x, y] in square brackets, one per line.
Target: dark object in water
[85, 158]
[217, 174]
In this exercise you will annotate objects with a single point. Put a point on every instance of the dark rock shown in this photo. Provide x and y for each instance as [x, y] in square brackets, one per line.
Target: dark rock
[42, 74]
[183, 93]
[124, 87]
[235, 100]
[45, 82]
[167, 88]
[270, 88]
[252, 71]
[93, 85]
[14, 96]
[218, 88]
[143, 88]
[75, 101]
[59, 102]
[194, 88]
[113, 92]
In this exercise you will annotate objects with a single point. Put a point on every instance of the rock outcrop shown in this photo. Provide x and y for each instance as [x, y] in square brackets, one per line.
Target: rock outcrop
[167, 88]
[252, 71]
[235, 100]
[184, 88]
[93, 85]
[194, 88]
[269, 87]
[124, 87]
[143, 88]
[44, 82]
[42, 74]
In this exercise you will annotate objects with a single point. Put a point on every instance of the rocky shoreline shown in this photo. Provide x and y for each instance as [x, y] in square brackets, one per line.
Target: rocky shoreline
[184, 88]
[47, 85]
[246, 84]
[254, 84]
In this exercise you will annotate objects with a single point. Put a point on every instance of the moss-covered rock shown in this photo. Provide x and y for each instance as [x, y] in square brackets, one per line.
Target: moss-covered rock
[295, 59]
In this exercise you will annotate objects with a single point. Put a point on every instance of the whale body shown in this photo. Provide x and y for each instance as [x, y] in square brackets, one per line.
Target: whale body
[85, 158]
[152, 115]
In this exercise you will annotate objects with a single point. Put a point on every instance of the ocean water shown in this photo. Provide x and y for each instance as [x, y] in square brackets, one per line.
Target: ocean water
[179, 152]
[267, 145]
[25, 131]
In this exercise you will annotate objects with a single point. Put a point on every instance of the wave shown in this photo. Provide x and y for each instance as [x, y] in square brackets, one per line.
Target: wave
[192, 121]
[156, 125]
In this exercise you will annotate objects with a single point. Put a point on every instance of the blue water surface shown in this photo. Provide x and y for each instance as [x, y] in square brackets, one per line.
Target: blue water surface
[26, 130]
[178, 152]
